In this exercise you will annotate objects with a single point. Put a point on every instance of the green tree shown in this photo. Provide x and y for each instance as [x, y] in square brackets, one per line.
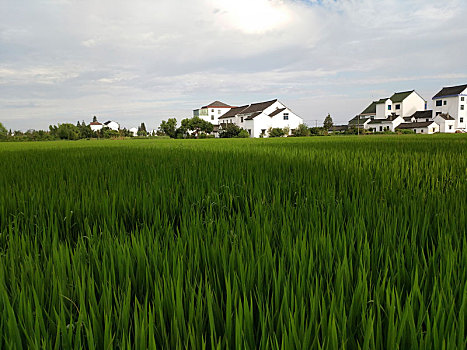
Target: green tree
[169, 127]
[301, 130]
[229, 130]
[65, 131]
[142, 130]
[276, 132]
[85, 131]
[327, 122]
[243, 134]
[3, 132]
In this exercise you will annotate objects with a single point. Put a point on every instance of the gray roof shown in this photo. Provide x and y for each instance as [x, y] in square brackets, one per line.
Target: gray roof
[277, 111]
[401, 96]
[371, 109]
[414, 125]
[217, 104]
[450, 91]
[250, 111]
[423, 114]
[445, 116]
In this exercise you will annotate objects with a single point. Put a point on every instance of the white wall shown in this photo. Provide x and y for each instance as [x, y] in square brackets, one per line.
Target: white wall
[213, 114]
[410, 105]
[444, 125]
[96, 127]
[453, 107]
[382, 111]
[431, 129]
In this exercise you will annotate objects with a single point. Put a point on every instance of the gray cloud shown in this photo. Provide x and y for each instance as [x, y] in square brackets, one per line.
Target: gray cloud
[66, 60]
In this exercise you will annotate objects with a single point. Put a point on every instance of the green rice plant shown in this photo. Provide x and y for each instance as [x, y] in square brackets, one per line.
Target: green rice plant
[303, 243]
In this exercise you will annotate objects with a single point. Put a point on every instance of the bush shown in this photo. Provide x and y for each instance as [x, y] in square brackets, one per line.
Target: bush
[276, 132]
[243, 134]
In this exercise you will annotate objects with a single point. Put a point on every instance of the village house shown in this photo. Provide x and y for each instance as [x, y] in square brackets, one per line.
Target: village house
[112, 125]
[425, 127]
[258, 118]
[451, 101]
[96, 126]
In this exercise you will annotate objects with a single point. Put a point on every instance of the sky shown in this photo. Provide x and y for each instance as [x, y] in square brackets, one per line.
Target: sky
[148, 60]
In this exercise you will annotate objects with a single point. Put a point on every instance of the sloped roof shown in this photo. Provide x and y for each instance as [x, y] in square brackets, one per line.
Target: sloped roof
[277, 111]
[250, 117]
[445, 116]
[422, 114]
[233, 112]
[383, 100]
[258, 107]
[217, 104]
[249, 110]
[408, 119]
[392, 117]
[356, 120]
[371, 109]
[400, 96]
[95, 123]
[450, 91]
[415, 125]
[338, 128]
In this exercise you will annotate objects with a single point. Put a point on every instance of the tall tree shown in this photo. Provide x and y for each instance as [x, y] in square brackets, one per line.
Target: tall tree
[142, 130]
[169, 127]
[327, 122]
[94, 119]
[3, 131]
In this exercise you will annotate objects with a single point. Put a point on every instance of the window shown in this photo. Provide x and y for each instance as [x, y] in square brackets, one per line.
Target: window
[398, 106]
[439, 103]
[462, 107]
[212, 110]
[415, 130]
[389, 107]
[462, 99]
[212, 117]
[450, 127]
[427, 120]
[445, 103]
[421, 130]
[380, 128]
[249, 132]
[286, 116]
[241, 119]
[218, 111]
[461, 120]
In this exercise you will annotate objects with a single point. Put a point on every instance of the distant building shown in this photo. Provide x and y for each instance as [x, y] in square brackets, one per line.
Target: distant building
[212, 112]
[258, 118]
[452, 101]
[112, 125]
[96, 126]
[427, 127]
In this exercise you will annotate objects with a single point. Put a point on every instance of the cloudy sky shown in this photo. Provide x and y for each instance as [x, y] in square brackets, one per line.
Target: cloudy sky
[147, 60]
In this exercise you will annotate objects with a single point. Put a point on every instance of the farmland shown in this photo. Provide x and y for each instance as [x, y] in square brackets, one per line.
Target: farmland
[307, 243]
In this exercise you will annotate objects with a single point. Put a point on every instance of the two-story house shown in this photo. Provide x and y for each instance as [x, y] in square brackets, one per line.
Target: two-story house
[451, 102]
[258, 118]
[402, 104]
[212, 112]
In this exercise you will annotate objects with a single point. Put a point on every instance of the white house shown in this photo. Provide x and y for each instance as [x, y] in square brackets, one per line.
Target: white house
[361, 120]
[403, 104]
[112, 125]
[388, 124]
[96, 126]
[452, 101]
[212, 112]
[447, 124]
[257, 118]
[425, 127]
[134, 131]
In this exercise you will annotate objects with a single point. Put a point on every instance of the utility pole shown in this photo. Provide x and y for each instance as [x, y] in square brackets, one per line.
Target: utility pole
[358, 125]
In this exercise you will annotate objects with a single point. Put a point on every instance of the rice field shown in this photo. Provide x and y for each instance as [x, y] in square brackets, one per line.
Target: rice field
[307, 243]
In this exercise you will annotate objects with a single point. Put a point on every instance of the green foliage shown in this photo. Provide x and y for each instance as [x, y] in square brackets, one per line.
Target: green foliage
[65, 131]
[277, 132]
[195, 125]
[3, 132]
[169, 127]
[290, 243]
[317, 131]
[327, 122]
[243, 134]
[301, 130]
[142, 130]
[229, 130]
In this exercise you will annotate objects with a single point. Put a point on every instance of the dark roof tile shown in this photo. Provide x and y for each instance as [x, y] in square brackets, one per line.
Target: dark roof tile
[450, 91]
